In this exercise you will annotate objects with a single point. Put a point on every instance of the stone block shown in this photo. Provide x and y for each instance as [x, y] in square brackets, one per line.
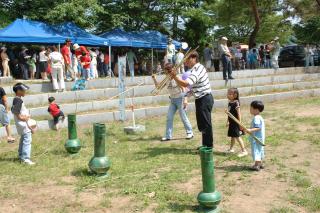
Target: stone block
[64, 97]
[36, 100]
[156, 111]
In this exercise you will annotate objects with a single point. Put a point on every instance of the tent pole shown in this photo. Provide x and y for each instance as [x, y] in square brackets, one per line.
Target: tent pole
[59, 47]
[110, 71]
[151, 60]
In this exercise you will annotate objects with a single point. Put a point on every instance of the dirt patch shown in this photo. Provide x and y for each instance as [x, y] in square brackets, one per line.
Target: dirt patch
[310, 112]
[46, 198]
[192, 186]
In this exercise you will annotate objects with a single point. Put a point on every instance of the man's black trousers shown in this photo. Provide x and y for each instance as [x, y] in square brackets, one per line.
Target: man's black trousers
[203, 113]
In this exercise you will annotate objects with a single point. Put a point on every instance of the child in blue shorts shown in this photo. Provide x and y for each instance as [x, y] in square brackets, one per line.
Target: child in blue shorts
[257, 128]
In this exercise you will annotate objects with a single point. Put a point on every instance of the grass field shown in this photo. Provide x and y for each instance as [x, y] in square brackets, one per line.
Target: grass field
[149, 176]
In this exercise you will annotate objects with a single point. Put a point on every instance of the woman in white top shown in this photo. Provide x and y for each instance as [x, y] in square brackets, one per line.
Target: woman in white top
[57, 63]
[93, 64]
[43, 63]
[178, 102]
[5, 62]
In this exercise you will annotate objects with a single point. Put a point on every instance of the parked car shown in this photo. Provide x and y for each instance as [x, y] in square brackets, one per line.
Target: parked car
[292, 56]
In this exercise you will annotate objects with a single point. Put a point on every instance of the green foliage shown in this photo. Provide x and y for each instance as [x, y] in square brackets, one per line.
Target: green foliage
[194, 21]
[309, 30]
[82, 13]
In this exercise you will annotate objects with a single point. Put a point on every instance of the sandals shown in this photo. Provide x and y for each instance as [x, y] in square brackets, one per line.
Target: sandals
[11, 140]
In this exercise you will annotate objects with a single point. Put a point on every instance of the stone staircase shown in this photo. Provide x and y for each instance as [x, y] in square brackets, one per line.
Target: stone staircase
[99, 104]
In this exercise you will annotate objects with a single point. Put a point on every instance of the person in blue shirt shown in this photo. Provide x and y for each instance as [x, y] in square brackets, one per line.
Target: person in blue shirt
[253, 58]
[257, 128]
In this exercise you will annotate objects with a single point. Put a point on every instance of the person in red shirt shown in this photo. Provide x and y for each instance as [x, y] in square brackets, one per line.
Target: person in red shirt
[78, 50]
[85, 62]
[55, 111]
[106, 61]
[66, 53]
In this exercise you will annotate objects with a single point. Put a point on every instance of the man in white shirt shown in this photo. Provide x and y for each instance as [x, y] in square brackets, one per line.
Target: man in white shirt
[179, 59]
[275, 52]
[226, 59]
[171, 51]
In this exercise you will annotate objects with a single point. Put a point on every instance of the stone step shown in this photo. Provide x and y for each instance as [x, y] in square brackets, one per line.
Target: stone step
[6, 80]
[149, 100]
[35, 100]
[110, 116]
[45, 87]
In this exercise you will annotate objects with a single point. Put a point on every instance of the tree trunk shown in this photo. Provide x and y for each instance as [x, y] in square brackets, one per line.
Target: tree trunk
[318, 1]
[253, 35]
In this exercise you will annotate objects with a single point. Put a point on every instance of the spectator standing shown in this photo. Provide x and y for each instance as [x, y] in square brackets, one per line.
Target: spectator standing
[131, 57]
[5, 62]
[262, 56]
[4, 117]
[207, 54]
[75, 65]
[179, 59]
[106, 62]
[23, 57]
[43, 63]
[216, 59]
[32, 66]
[93, 64]
[57, 64]
[268, 56]
[171, 51]
[226, 59]
[275, 52]
[100, 62]
[253, 58]
[66, 53]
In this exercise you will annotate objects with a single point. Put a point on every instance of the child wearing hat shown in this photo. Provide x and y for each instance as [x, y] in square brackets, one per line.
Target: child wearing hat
[21, 117]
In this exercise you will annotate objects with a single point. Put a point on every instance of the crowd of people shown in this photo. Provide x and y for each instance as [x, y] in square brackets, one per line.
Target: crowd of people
[234, 56]
[72, 61]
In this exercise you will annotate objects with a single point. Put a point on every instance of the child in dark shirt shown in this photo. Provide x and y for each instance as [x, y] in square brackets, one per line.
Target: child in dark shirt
[55, 111]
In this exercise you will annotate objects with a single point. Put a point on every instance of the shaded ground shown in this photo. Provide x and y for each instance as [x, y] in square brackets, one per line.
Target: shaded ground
[149, 176]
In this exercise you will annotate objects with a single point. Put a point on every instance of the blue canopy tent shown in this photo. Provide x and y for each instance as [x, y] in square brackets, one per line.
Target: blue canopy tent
[27, 31]
[157, 39]
[119, 37]
[80, 36]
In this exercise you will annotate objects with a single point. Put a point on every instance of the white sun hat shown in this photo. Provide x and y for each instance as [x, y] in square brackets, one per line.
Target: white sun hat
[76, 46]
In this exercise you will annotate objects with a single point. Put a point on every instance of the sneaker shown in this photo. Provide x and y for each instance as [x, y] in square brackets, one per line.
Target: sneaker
[189, 136]
[226, 79]
[231, 78]
[165, 139]
[28, 162]
[230, 151]
[255, 168]
[242, 154]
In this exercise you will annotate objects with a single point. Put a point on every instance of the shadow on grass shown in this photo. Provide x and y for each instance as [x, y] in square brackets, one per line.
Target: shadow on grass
[219, 153]
[9, 159]
[176, 207]
[156, 151]
[81, 172]
[137, 138]
[233, 168]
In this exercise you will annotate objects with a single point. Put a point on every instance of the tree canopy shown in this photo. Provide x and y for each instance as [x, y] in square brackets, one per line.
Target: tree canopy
[197, 22]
